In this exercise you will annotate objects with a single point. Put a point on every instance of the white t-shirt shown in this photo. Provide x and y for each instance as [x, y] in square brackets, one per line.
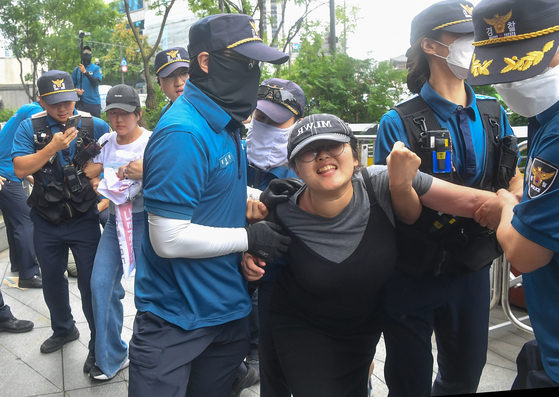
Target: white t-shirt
[109, 158]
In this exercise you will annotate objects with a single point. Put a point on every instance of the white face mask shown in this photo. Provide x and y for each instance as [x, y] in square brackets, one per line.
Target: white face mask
[266, 145]
[531, 96]
[459, 55]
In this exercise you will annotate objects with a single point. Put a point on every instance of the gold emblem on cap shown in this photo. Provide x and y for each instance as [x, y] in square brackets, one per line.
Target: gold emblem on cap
[531, 59]
[479, 68]
[540, 176]
[499, 22]
[172, 54]
[467, 8]
[58, 83]
[254, 27]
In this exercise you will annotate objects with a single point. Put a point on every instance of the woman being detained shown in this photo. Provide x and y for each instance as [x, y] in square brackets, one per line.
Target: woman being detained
[324, 309]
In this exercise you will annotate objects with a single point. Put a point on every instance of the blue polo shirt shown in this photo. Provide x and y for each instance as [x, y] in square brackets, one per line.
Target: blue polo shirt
[391, 129]
[536, 218]
[192, 172]
[90, 92]
[24, 143]
[7, 138]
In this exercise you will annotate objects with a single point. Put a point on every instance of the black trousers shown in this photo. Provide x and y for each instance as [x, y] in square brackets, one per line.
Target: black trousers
[457, 311]
[93, 109]
[272, 379]
[531, 372]
[19, 228]
[52, 242]
[321, 363]
[166, 360]
[5, 312]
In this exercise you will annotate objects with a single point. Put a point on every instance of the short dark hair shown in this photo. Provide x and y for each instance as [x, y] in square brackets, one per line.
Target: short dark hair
[138, 112]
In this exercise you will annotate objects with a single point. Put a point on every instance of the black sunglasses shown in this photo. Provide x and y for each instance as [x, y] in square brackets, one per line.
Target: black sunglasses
[280, 96]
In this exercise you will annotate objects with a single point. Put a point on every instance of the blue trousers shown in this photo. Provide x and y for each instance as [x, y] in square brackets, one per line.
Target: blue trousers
[166, 360]
[457, 310]
[107, 291]
[19, 228]
[52, 242]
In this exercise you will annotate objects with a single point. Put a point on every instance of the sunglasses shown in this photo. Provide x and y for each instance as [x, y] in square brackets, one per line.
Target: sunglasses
[279, 96]
[332, 148]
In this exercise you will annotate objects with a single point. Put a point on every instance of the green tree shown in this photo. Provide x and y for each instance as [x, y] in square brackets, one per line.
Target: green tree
[92, 16]
[358, 91]
[46, 31]
[387, 87]
[111, 61]
[164, 8]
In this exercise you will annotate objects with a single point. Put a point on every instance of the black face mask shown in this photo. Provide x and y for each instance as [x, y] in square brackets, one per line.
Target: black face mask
[231, 83]
[86, 59]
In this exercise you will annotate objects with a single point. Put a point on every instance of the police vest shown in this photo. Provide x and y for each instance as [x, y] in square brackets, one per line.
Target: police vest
[61, 193]
[441, 243]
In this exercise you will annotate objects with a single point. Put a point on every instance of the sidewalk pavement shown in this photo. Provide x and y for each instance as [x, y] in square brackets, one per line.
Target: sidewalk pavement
[25, 371]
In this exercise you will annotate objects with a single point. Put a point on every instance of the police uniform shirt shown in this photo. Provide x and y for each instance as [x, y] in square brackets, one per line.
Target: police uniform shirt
[391, 129]
[536, 218]
[24, 142]
[7, 138]
[90, 91]
[191, 172]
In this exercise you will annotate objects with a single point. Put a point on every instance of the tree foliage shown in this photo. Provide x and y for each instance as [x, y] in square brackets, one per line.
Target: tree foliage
[358, 91]
[111, 61]
[164, 8]
[46, 32]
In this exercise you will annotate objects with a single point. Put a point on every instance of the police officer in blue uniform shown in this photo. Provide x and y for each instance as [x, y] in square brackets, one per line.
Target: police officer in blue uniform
[86, 78]
[442, 283]
[191, 329]
[53, 148]
[19, 228]
[516, 45]
[171, 68]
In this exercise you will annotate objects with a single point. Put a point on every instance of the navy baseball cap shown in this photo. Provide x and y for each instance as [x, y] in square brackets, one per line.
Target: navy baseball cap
[452, 16]
[167, 61]
[123, 97]
[280, 100]
[56, 86]
[514, 40]
[317, 127]
[234, 31]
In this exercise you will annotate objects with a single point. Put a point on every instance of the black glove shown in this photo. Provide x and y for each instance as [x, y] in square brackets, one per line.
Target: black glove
[265, 241]
[279, 191]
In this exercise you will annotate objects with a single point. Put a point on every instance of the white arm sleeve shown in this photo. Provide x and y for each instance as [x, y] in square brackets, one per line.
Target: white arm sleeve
[253, 193]
[175, 238]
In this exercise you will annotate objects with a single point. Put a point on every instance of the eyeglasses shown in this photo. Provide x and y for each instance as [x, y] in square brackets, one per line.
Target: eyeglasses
[280, 96]
[171, 78]
[332, 148]
[232, 54]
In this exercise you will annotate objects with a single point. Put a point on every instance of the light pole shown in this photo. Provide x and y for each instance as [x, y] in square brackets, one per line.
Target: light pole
[332, 28]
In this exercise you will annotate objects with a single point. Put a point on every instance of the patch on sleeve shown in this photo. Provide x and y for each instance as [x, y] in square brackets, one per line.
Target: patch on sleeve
[543, 175]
